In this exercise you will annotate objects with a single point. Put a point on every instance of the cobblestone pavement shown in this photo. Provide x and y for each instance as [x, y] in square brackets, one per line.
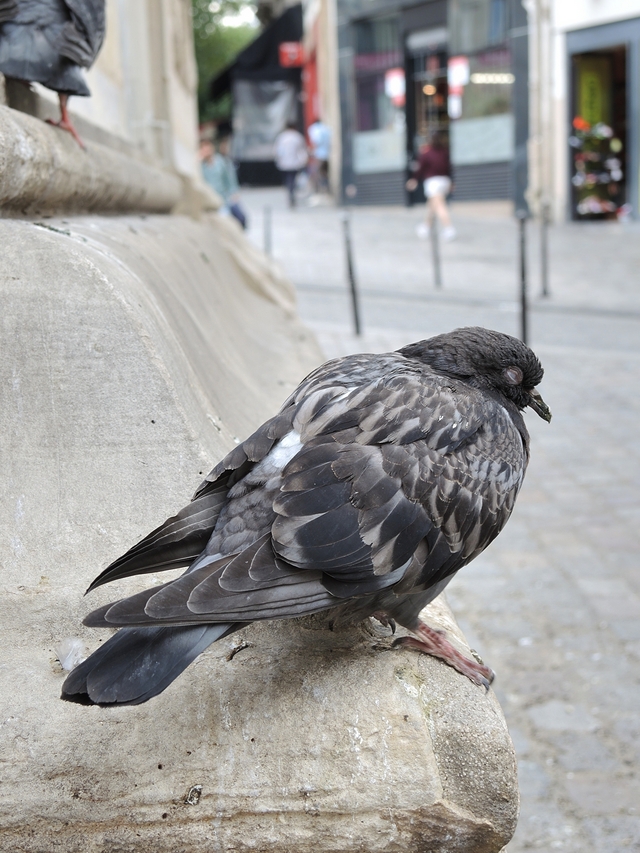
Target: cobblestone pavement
[554, 605]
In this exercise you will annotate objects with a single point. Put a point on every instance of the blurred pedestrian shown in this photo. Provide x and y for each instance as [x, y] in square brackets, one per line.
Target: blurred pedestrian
[291, 157]
[220, 173]
[434, 169]
[320, 138]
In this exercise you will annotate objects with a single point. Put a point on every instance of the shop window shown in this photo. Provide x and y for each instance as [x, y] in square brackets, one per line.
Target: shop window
[477, 24]
[598, 134]
[482, 127]
[379, 140]
[261, 108]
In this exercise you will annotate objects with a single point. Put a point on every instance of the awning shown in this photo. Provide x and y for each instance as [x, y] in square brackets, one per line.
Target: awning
[261, 59]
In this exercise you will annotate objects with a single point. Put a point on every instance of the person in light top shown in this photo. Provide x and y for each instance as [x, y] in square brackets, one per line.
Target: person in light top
[320, 137]
[220, 173]
[291, 157]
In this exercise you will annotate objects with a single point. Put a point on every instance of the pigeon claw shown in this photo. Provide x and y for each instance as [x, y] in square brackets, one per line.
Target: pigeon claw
[384, 620]
[431, 641]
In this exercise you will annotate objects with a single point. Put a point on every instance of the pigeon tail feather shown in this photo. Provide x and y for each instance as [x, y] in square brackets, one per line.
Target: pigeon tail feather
[177, 542]
[138, 663]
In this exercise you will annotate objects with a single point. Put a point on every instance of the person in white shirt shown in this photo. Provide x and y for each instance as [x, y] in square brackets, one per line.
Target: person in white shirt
[291, 157]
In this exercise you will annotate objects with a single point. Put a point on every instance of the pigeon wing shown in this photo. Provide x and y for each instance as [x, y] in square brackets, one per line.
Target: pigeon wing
[404, 459]
[81, 37]
[411, 456]
[8, 10]
[183, 537]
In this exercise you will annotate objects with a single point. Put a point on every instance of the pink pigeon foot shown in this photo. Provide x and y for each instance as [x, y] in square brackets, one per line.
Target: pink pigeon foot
[64, 122]
[433, 642]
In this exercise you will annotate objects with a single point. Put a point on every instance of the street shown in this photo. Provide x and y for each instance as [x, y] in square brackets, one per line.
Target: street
[554, 604]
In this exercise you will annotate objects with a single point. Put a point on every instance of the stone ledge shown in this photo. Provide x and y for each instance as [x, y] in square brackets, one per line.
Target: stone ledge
[43, 170]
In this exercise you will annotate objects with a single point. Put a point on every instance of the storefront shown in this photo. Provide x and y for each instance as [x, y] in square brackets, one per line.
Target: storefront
[265, 82]
[488, 103]
[376, 129]
[384, 53]
[407, 71]
[603, 138]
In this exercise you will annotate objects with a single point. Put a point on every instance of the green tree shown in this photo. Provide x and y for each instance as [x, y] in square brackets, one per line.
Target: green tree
[217, 44]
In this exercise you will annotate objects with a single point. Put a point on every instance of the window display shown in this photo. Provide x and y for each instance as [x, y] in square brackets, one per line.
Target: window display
[379, 140]
[598, 135]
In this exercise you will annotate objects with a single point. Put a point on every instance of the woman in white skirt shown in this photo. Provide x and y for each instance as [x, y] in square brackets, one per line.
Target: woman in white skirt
[434, 169]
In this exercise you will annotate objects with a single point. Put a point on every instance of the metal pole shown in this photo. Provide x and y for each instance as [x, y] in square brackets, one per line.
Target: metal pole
[346, 224]
[522, 220]
[435, 253]
[544, 249]
[266, 224]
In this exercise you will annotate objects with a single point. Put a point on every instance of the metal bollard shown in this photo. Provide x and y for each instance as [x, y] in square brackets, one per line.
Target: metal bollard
[346, 225]
[544, 249]
[524, 320]
[435, 254]
[266, 225]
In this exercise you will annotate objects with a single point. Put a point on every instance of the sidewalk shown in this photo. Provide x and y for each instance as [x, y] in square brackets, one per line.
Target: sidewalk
[593, 270]
[554, 604]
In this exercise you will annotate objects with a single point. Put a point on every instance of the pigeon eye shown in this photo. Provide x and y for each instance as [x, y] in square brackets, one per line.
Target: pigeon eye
[513, 375]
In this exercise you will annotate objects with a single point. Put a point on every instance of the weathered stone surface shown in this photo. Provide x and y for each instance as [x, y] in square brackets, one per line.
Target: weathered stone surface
[42, 169]
[134, 352]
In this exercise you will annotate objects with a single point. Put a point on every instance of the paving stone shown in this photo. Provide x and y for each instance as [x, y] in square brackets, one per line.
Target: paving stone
[582, 751]
[617, 834]
[627, 629]
[534, 781]
[593, 796]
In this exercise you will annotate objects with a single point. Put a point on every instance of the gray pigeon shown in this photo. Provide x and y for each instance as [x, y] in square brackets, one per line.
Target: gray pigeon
[378, 479]
[49, 42]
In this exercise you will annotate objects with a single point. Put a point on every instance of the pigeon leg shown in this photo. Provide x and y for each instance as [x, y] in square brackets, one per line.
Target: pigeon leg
[65, 122]
[432, 642]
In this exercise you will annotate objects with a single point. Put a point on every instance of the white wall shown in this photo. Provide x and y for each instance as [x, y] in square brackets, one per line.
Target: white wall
[576, 14]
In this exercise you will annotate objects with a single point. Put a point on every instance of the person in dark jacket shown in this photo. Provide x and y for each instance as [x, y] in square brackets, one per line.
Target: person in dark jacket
[434, 169]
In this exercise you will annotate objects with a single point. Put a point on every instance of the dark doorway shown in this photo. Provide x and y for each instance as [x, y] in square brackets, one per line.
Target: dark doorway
[598, 140]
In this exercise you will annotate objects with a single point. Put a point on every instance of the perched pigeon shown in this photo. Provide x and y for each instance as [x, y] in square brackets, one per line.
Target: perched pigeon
[49, 42]
[378, 479]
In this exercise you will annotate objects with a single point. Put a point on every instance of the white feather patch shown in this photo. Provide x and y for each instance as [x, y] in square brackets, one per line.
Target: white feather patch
[278, 456]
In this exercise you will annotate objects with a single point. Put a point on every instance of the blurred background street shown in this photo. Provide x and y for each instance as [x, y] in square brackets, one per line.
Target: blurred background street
[594, 294]
[554, 605]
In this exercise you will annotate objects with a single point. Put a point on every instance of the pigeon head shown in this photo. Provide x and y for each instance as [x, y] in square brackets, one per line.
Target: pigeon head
[491, 361]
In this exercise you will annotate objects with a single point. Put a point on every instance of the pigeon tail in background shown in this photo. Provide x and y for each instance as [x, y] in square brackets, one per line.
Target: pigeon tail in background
[378, 479]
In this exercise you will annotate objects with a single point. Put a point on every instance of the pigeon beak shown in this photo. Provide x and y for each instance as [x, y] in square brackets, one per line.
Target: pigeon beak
[539, 406]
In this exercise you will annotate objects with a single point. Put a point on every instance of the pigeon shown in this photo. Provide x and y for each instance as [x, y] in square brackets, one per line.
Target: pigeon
[378, 479]
[49, 42]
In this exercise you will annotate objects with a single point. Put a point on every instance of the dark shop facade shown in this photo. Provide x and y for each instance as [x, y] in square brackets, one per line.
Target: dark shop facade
[407, 70]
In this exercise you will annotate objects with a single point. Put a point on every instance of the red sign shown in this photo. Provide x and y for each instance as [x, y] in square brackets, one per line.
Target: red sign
[291, 54]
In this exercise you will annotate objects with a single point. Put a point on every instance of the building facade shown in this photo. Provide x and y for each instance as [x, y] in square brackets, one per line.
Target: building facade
[406, 70]
[585, 102]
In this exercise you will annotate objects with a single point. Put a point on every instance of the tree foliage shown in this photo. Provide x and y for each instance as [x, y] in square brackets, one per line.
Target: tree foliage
[216, 46]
